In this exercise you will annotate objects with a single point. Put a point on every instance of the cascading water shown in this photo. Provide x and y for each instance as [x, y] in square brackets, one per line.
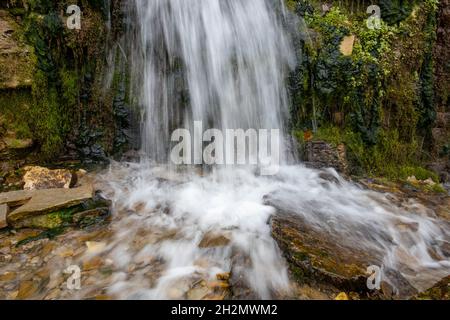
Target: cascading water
[232, 56]
[223, 62]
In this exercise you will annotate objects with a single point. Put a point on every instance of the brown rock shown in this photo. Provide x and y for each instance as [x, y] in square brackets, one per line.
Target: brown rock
[27, 289]
[211, 240]
[42, 178]
[45, 201]
[15, 198]
[8, 276]
[223, 276]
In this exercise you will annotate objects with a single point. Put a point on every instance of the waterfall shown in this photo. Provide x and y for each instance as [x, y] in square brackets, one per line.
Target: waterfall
[219, 62]
[224, 62]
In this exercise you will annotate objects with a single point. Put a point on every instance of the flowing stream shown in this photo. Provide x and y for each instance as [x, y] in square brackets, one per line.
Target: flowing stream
[224, 62]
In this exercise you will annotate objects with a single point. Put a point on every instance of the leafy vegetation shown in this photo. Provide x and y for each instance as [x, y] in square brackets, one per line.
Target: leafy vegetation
[379, 100]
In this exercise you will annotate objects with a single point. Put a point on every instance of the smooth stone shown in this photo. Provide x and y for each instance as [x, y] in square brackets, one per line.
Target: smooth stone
[3, 213]
[15, 198]
[197, 293]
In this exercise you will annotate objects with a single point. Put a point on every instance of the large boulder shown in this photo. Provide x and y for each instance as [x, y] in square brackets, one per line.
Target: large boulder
[316, 256]
[42, 178]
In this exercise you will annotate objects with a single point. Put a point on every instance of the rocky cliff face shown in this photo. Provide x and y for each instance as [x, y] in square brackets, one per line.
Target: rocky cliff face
[441, 131]
[382, 91]
[57, 86]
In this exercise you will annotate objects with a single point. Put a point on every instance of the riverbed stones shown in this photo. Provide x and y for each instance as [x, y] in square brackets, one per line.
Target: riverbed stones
[37, 178]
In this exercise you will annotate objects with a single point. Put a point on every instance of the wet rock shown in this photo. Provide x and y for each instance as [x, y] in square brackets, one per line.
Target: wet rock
[94, 247]
[211, 240]
[47, 201]
[440, 291]
[37, 178]
[240, 287]
[198, 292]
[52, 208]
[223, 276]
[342, 296]
[27, 289]
[315, 256]
[8, 276]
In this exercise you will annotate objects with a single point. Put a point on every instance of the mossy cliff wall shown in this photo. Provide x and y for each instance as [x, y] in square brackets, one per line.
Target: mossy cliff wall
[378, 90]
[382, 91]
[63, 103]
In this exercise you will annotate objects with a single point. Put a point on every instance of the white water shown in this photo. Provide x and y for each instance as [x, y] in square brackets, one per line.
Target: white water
[234, 55]
[343, 212]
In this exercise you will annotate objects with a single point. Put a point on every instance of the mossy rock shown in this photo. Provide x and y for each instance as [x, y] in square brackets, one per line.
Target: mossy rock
[53, 208]
[318, 257]
[16, 57]
[440, 291]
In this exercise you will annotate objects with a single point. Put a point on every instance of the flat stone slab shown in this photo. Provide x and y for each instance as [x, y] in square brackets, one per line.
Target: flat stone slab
[3, 212]
[44, 201]
[15, 198]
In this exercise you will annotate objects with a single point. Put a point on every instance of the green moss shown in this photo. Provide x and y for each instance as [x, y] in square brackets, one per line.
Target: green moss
[419, 172]
[380, 100]
[14, 108]
[390, 157]
[47, 234]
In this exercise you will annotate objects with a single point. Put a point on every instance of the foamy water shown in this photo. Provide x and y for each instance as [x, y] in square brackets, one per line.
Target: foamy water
[231, 202]
[224, 62]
